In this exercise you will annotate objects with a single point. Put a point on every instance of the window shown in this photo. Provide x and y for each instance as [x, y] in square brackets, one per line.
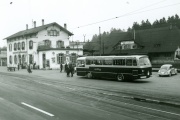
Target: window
[167, 54]
[81, 63]
[23, 59]
[10, 59]
[23, 45]
[119, 62]
[89, 62]
[67, 52]
[157, 45]
[31, 44]
[128, 62]
[144, 61]
[53, 33]
[60, 44]
[15, 59]
[15, 46]
[108, 61]
[47, 43]
[60, 58]
[30, 59]
[19, 46]
[73, 58]
[10, 47]
[19, 57]
[134, 62]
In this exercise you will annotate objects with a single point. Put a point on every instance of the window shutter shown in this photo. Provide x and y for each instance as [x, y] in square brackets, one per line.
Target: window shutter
[57, 56]
[48, 32]
[56, 44]
[62, 43]
[64, 59]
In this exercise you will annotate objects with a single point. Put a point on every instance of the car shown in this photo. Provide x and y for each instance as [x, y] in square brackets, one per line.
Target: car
[167, 70]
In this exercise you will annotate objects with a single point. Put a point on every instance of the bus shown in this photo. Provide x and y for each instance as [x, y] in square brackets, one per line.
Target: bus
[118, 67]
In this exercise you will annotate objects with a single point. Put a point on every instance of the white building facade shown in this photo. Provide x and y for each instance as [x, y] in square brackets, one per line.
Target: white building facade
[45, 46]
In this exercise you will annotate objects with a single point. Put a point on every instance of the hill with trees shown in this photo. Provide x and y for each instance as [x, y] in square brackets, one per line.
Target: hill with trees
[108, 39]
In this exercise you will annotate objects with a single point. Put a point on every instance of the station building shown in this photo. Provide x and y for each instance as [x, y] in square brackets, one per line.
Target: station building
[44, 46]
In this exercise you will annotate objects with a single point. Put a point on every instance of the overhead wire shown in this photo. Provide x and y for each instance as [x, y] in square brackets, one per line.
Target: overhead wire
[130, 13]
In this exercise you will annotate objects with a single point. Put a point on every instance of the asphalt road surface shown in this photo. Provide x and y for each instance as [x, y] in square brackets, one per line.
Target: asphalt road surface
[53, 96]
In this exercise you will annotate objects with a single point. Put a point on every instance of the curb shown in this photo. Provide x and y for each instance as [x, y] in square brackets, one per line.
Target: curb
[153, 101]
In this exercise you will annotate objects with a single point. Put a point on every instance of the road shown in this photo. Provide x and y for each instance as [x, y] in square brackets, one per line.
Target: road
[50, 95]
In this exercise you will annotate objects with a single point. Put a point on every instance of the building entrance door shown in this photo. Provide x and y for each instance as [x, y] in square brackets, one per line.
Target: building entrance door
[44, 60]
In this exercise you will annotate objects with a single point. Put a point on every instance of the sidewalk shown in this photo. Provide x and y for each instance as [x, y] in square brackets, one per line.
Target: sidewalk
[53, 74]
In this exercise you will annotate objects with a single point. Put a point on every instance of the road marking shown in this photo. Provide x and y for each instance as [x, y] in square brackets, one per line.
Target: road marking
[37, 109]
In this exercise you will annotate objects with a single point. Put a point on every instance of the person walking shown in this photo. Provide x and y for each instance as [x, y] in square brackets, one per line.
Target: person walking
[61, 67]
[71, 69]
[29, 68]
[67, 70]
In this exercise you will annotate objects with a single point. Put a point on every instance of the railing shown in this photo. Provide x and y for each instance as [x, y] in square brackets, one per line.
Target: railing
[46, 47]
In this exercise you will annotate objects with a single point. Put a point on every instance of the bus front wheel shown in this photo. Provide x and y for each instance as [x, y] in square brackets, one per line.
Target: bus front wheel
[120, 77]
[89, 75]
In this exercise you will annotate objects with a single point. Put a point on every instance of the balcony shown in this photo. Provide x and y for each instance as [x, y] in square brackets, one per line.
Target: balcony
[49, 47]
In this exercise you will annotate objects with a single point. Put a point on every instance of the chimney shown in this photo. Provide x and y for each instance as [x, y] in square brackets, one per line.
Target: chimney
[26, 26]
[65, 26]
[34, 24]
[42, 21]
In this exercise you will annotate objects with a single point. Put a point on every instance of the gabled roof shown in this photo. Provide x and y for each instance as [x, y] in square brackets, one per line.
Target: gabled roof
[154, 40]
[159, 39]
[35, 30]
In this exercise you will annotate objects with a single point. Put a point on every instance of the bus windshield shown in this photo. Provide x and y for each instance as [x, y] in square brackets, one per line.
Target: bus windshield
[143, 61]
[80, 63]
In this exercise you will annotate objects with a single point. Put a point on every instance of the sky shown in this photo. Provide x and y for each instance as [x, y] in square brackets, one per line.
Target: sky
[84, 18]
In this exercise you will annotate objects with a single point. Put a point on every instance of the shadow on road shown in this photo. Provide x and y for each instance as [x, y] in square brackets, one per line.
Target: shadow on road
[110, 79]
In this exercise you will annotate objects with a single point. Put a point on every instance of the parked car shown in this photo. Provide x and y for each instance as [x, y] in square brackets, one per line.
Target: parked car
[167, 70]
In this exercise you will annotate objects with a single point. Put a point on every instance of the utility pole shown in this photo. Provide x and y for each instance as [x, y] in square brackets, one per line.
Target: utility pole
[84, 37]
[103, 46]
[100, 40]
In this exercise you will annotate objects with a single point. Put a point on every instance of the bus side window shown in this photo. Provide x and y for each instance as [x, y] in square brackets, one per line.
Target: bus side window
[122, 62]
[88, 62]
[134, 62]
[115, 62]
[128, 62]
[98, 62]
[108, 62]
[119, 62]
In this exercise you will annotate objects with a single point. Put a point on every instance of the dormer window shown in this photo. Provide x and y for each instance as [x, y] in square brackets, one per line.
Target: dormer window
[157, 45]
[53, 33]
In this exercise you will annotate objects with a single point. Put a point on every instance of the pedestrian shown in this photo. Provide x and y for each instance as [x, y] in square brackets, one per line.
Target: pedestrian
[67, 70]
[71, 69]
[34, 65]
[61, 67]
[29, 68]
